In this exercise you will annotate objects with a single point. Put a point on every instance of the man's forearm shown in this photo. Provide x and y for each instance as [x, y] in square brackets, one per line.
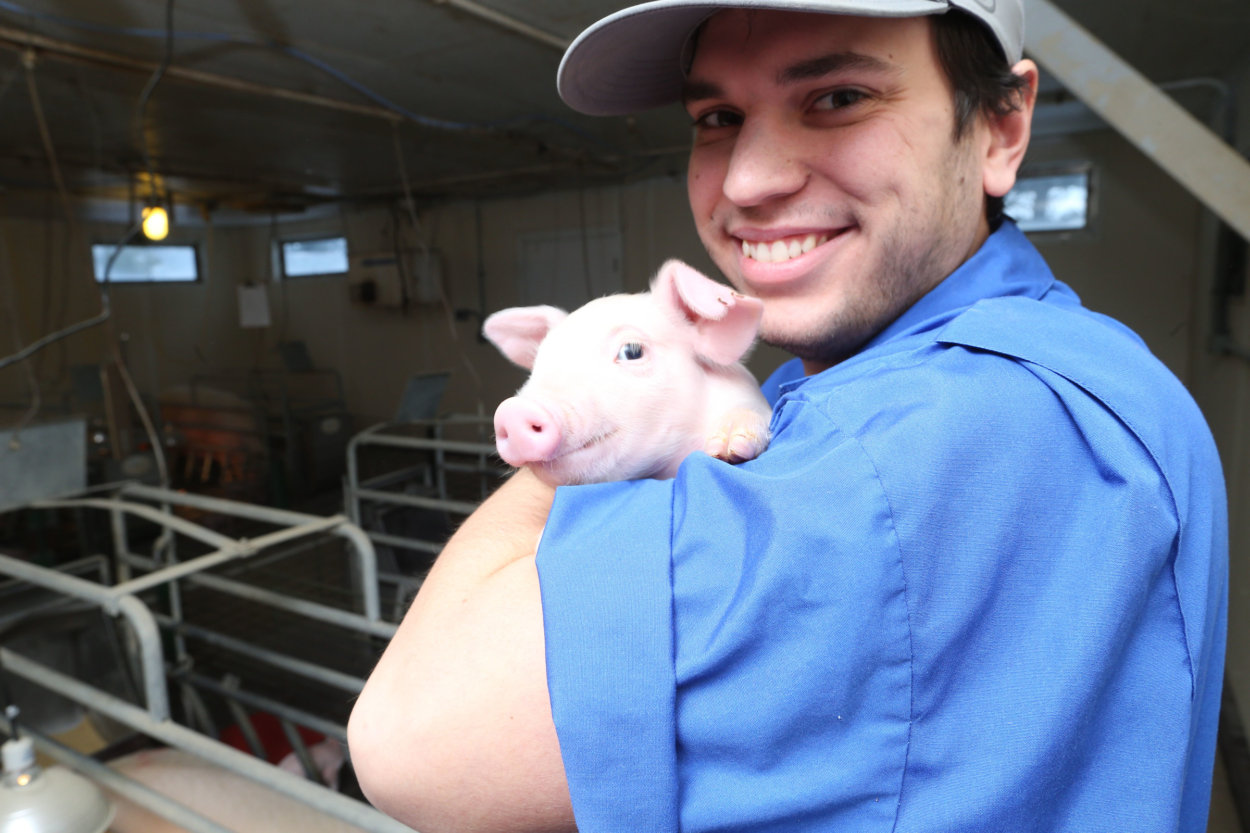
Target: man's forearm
[454, 725]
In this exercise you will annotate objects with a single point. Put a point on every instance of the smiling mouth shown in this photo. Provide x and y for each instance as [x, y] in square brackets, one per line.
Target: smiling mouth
[779, 251]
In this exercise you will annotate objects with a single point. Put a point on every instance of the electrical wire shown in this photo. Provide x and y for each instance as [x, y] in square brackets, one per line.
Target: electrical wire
[146, 96]
[105, 314]
[445, 302]
[32, 378]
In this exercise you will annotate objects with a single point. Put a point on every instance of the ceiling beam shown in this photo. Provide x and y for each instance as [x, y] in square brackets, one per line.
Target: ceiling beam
[1159, 127]
[504, 21]
[22, 40]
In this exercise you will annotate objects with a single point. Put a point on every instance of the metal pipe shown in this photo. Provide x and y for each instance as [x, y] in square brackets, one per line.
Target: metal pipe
[164, 519]
[136, 613]
[64, 50]
[151, 659]
[98, 563]
[266, 704]
[313, 610]
[300, 750]
[55, 580]
[251, 511]
[317, 797]
[125, 786]
[337, 524]
[407, 543]
[186, 568]
[506, 22]
[237, 549]
[458, 506]
[428, 443]
[320, 673]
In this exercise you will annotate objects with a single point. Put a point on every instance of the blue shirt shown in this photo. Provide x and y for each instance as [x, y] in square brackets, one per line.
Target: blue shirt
[976, 583]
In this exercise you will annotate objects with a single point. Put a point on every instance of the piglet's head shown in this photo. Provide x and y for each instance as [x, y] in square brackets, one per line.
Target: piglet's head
[616, 388]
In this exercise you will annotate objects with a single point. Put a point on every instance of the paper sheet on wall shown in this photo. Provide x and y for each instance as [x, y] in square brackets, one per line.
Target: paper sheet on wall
[253, 306]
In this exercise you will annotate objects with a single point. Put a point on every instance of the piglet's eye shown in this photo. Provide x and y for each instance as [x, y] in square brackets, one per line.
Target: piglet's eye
[629, 352]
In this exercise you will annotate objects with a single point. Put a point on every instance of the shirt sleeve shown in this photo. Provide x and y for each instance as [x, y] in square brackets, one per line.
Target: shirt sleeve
[779, 702]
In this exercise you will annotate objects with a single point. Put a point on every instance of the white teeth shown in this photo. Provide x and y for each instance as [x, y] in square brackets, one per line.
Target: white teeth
[779, 251]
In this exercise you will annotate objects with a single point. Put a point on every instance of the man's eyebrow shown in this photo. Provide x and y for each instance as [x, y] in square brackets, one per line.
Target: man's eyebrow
[819, 67]
[700, 91]
[831, 63]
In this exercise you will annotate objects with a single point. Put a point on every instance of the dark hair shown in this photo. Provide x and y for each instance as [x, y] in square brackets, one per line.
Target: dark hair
[982, 79]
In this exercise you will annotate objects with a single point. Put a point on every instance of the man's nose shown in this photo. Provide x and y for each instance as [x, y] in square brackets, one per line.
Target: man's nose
[765, 164]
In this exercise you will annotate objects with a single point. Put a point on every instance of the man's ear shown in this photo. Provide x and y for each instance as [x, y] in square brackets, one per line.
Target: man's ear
[1009, 135]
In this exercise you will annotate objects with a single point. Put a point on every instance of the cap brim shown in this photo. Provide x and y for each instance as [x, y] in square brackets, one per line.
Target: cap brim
[631, 61]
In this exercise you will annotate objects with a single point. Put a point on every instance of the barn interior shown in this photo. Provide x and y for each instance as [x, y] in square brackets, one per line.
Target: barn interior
[231, 452]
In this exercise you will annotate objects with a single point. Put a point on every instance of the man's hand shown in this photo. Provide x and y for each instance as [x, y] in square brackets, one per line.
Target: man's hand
[453, 730]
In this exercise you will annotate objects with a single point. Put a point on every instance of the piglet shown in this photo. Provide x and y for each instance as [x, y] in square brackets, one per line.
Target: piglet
[628, 386]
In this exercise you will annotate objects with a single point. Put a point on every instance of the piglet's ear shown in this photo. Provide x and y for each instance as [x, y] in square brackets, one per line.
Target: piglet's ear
[518, 331]
[725, 322]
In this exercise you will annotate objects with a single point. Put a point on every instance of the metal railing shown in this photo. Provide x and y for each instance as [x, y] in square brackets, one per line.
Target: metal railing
[138, 575]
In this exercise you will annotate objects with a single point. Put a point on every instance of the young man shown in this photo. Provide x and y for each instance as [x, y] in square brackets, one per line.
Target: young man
[976, 583]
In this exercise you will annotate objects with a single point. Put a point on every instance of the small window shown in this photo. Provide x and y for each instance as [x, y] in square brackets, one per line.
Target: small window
[1053, 202]
[323, 256]
[146, 263]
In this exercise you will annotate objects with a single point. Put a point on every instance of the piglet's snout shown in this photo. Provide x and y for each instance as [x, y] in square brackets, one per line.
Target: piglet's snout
[525, 432]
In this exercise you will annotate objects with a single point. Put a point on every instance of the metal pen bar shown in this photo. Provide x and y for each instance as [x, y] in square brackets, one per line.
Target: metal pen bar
[125, 786]
[165, 575]
[199, 533]
[317, 797]
[267, 704]
[409, 543]
[97, 563]
[458, 506]
[313, 610]
[253, 512]
[156, 695]
[428, 444]
[238, 549]
[338, 525]
[320, 673]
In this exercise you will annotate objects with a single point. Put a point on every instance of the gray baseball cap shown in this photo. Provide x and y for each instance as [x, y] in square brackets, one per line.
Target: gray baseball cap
[632, 60]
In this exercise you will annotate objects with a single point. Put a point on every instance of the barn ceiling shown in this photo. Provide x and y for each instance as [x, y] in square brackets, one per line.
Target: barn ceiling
[275, 105]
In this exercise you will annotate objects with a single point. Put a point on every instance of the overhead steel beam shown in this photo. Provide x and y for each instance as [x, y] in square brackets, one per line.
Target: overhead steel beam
[510, 23]
[1180, 144]
[22, 40]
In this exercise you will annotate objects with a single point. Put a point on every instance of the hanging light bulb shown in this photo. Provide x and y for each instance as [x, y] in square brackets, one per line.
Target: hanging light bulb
[53, 800]
[155, 222]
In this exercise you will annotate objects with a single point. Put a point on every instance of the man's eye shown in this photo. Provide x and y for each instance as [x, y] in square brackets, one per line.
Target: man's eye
[629, 352]
[839, 99]
[718, 118]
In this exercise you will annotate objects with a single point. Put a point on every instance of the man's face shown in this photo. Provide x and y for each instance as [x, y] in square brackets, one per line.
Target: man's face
[825, 178]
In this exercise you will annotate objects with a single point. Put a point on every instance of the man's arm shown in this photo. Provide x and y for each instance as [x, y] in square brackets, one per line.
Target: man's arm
[453, 730]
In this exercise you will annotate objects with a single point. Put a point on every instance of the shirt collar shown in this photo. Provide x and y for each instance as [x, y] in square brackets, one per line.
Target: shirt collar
[1007, 264]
